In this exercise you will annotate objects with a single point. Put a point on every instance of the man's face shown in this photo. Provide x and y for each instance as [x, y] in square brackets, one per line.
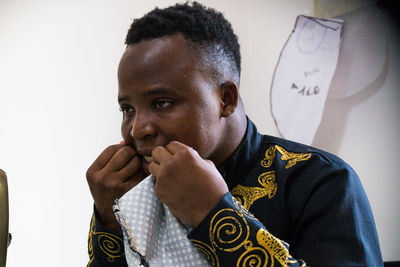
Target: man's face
[165, 96]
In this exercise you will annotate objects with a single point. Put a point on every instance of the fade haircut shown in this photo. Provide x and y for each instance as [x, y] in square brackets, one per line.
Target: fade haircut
[205, 30]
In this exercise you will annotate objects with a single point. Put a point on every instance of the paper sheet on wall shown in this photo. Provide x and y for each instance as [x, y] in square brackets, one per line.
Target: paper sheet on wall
[303, 75]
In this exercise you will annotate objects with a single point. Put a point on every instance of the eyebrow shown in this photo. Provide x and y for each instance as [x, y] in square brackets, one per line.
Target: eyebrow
[153, 92]
[160, 91]
[122, 99]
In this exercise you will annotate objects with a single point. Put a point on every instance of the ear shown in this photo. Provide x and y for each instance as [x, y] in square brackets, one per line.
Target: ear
[229, 98]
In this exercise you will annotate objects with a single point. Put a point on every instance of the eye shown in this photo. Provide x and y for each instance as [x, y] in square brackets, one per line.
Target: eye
[162, 104]
[126, 109]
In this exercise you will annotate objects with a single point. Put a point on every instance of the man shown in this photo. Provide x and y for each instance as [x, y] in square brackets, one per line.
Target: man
[248, 196]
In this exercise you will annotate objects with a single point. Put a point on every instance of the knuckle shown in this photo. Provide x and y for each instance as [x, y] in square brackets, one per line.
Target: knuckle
[136, 161]
[111, 148]
[92, 176]
[211, 163]
[173, 143]
[132, 167]
[102, 179]
[127, 151]
[156, 150]
[186, 153]
[89, 174]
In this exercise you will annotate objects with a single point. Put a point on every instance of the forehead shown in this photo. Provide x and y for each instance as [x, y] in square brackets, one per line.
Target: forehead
[157, 60]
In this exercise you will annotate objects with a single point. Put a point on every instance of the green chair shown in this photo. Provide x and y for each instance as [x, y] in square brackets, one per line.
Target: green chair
[5, 238]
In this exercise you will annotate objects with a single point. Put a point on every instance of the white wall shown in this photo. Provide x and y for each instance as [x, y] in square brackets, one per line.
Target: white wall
[58, 110]
[364, 129]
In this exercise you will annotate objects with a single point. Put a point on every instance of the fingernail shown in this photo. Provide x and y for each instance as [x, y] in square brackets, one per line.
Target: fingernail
[122, 142]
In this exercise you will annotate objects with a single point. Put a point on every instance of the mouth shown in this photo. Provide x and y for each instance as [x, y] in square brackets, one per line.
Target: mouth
[148, 159]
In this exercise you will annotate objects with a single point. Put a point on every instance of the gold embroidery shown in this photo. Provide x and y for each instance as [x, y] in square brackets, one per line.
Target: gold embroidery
[274, 246]
[207, 251]
[267, 180]
[228, 230]
[90, 242]
[269, 157]
[254, 256]
[248, 195]
[108, 243]
[292, 157]
[242, 209]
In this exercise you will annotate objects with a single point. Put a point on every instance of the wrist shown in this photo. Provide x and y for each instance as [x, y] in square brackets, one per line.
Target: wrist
[107, 219]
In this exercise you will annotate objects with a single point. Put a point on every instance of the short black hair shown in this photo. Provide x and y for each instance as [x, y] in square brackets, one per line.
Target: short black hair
[205, 28]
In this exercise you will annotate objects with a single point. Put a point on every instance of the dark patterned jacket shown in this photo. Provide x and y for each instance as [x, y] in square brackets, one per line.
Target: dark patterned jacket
[281, 193]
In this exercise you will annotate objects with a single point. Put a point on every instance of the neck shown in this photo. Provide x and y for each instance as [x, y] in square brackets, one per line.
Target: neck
[235, 130]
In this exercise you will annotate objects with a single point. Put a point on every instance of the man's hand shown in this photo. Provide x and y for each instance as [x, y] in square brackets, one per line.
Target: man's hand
[189, 185]
[112, 174]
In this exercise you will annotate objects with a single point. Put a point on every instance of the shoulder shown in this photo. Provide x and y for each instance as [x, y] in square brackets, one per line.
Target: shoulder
[309, 177]
[299, 155]
[300, 169]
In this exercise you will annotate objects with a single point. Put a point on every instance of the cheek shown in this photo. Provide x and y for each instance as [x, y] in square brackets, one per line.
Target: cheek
[199, 133]
[125, 130]
[181, 128]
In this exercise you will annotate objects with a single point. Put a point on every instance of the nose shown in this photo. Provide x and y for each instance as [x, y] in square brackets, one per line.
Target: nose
[142, 126]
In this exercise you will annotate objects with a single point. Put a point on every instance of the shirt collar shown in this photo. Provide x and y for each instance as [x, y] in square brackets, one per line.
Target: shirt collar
[236, 167]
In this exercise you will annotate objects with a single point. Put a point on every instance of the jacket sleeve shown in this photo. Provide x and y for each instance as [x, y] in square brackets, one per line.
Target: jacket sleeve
[332, 220]
[330, 224]
[231, 236]
[105, 248]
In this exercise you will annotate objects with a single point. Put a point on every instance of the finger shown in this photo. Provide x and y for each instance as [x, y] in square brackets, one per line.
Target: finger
[133, 181]
[175, 146]
[160, 154]
[105, 157]
[121, 158]
[210, 163]
[154, 168]
[131, 168]
[128, 185]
